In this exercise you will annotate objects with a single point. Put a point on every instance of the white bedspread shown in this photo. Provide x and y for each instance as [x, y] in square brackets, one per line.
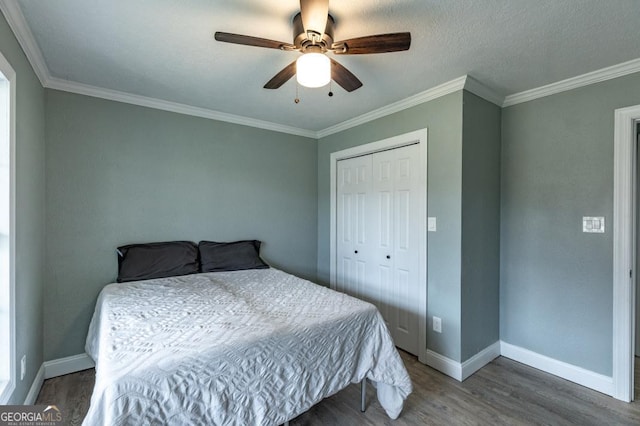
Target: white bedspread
[254, 347]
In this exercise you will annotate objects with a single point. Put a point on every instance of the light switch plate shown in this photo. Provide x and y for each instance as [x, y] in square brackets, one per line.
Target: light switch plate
[431, 224]
[593, 224]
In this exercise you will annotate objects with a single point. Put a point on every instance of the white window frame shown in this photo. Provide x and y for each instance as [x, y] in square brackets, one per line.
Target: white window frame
[7, 388]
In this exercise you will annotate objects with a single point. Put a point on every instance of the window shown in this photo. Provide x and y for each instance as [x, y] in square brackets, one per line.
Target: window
[7, 231]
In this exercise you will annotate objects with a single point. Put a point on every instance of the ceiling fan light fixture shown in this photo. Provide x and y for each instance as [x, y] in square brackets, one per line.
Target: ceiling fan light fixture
[313, 70]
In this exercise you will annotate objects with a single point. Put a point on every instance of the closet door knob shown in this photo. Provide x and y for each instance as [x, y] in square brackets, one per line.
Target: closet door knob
[388, 257]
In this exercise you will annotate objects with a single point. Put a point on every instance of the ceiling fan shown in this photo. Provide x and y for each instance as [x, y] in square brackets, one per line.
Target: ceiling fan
[313, 37]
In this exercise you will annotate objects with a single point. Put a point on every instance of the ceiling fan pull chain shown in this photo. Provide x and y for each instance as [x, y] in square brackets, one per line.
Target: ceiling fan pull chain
[297, 99]
[330, 88]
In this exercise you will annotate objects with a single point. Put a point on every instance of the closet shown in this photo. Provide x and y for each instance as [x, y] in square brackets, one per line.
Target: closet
[378, 236]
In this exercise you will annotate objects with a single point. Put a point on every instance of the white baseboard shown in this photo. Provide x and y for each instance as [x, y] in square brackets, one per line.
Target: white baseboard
[70, 364]
[444, 365]
[454, 369]
[581, 376]
[460, 371]
[480, 359]
[34, 390]
[55, 368]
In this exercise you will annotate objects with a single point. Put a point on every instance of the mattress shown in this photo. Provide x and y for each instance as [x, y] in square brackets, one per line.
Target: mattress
[256, 347]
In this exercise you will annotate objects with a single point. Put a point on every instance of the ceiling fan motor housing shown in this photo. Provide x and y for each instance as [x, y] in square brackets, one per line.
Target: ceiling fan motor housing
[302, 41]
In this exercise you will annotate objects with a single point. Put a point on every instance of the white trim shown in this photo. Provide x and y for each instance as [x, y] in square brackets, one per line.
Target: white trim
[474, 86]
[623, 240]
[67, 365]
[34, 390]
[465, 82]
[7, 391]
[420, 98]
[55, 368]
[461, 371]
[581, 376]
[13, 14]
[128, 98]
[444, 365]
[20, 28]
[456, 370]
[608, 73]
[419, 136]
[9, 73]
[480, 359]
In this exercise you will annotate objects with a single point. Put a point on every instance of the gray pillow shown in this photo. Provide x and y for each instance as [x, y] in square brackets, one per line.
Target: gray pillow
[157, 260]
[235, 256]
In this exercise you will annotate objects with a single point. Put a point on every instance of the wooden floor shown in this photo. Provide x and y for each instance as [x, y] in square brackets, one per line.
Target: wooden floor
[502, 393]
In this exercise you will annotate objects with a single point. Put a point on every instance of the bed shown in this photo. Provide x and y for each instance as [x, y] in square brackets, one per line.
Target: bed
[249, 347]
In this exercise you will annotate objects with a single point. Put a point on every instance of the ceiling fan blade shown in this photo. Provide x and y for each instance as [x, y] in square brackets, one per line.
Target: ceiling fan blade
[344, 77]
[252, 41]
[381, 43]
[314, 17]
[282, 77]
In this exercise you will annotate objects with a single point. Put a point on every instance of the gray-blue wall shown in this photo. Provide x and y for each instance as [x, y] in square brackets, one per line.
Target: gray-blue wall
[443, 118]
[30, 210]
[557, 165]
[118, 174]
[480, 283]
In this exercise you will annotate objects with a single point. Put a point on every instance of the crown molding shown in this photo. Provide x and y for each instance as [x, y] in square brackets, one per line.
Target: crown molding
[114, 95]
[465, 82]
[422, 97]
[597, 76]
[485, 92]
[13, 14]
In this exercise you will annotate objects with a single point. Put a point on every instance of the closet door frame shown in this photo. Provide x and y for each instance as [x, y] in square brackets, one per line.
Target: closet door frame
[416, 137]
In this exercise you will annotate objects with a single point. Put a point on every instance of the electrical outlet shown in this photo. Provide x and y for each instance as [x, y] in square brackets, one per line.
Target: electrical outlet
[437, 324]
[23, 367]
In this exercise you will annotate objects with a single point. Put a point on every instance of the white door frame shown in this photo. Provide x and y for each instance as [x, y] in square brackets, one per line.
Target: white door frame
[419, 137]
[624, 213]
[10, 75]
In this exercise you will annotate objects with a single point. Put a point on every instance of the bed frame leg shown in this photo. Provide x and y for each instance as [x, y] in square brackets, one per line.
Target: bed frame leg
[363, 395]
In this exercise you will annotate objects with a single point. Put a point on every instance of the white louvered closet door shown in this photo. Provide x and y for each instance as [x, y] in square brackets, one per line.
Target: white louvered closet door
[383, 228]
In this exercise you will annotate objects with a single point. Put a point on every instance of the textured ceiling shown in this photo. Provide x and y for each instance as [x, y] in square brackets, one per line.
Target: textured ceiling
[165, 49]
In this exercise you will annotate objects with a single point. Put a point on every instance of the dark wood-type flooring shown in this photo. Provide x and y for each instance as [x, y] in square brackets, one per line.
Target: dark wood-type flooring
[504, 392]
